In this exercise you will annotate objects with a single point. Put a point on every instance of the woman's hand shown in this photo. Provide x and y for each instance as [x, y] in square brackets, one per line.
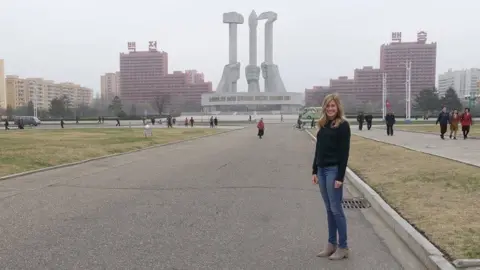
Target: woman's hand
[314, 179]
[338, 184]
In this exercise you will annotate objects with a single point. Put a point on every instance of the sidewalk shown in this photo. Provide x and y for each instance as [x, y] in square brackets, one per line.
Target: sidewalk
[467, 151]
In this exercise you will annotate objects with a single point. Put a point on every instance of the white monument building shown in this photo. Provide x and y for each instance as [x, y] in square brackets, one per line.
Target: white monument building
[275, 97]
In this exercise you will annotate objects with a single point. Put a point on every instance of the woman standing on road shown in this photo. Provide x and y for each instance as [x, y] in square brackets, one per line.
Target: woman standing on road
[329, 166]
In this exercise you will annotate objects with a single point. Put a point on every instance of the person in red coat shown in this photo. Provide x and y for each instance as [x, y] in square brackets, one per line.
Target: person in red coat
[261, 128]
[466, 121]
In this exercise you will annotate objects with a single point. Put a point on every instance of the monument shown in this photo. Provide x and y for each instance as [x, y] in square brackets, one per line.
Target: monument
[270, 72]
[252, 71]
[231, 71]
[275, 97]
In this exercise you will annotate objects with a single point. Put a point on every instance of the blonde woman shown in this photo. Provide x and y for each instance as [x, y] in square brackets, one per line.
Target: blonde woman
[329, 166]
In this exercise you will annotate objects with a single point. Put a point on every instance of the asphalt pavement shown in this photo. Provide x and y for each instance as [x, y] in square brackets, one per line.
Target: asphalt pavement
[230, 201]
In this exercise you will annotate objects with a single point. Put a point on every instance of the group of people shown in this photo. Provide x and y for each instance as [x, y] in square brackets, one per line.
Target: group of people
[389, 122]
[454, 118]
[213, 122]
[361, 118]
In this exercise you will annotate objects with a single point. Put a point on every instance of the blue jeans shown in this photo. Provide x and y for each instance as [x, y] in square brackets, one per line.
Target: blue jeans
[332, 198]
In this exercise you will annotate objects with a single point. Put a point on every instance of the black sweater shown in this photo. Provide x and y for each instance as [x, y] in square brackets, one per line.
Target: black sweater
[332, 148]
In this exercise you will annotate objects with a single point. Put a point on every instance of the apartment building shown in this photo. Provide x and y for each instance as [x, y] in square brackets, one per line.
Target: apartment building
[20, 91]
[314, 96]
[394, 58]
[144, 76]
[3, 93]
[368, 86]
[110, 86]
[464, 81]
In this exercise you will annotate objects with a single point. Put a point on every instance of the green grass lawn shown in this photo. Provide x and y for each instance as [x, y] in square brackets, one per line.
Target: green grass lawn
[25, 150]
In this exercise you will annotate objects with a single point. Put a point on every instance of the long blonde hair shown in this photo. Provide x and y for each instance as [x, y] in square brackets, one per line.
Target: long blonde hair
[339, 118]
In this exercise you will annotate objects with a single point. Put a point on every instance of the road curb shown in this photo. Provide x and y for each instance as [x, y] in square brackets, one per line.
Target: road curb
[425, 251]
[467, 263]
[418, 150]
[10, 176]
[428, 133]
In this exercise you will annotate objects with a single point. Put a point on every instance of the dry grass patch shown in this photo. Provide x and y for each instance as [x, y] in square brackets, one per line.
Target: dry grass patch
[25, 150]
[439, 197]
[436, 129]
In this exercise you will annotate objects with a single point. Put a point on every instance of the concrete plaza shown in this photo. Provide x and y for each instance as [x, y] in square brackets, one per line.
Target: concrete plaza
[230, 201]
[467, 151]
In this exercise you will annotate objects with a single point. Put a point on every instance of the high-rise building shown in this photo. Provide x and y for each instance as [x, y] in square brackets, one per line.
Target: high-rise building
[144, 77]
[20, 91]
[368, 87]
[314, 96]
[3, 92]
[393, 61]
[194, 76]
[464, 81]
[109, 86]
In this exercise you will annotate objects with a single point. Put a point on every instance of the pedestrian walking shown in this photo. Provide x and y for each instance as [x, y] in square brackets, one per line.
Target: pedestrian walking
[118, 122]
[215, 121]
[62, 122]
[360, 119]
[261, 128]
[186, 122]
[390, 121]
[368, 119]
[211, 122]
[444, 120]
[454, 120]
[466, 120]
[329, 166]
[191, 121]
[6, 125]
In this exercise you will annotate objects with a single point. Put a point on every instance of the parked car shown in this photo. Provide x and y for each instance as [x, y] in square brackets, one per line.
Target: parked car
[27, 120]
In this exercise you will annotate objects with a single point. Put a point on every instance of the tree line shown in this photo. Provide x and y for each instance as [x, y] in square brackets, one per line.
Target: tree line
[62, 107]
[428, 101]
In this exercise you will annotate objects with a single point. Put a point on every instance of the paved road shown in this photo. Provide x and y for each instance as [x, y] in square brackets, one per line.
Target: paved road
[230, 201]
[467, 151]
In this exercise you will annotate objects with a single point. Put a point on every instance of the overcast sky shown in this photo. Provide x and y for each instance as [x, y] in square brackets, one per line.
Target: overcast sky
[314, 40]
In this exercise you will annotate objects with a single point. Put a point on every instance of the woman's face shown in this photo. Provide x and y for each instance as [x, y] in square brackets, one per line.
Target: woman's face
[332, 109]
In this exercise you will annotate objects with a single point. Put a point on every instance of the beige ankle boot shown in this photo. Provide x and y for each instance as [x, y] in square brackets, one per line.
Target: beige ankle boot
[329, 250]
[340, 253]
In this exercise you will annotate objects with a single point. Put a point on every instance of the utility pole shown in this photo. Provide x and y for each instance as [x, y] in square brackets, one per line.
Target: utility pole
[384, 95]
[35, 101]
[408, 90]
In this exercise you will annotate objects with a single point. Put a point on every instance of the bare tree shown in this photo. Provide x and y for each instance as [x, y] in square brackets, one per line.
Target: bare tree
[160, 102]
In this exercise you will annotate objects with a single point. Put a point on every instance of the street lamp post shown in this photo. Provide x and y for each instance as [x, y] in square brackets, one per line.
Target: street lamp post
[408, 90]
[384, 95]
[35, 101]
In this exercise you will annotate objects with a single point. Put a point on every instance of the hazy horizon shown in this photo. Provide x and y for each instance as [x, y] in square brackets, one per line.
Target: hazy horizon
[313, 42]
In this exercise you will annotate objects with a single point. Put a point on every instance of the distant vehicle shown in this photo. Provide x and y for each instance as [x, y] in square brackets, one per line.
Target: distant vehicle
[27, 120]
[311, 113]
